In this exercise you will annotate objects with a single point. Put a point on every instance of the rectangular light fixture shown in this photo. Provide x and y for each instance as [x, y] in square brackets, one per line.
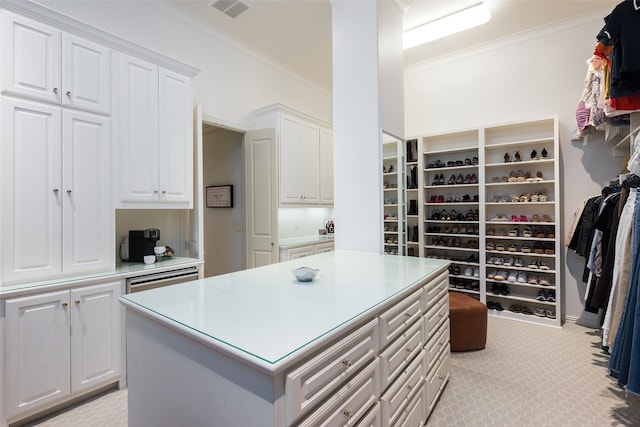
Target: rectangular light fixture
[461, 20]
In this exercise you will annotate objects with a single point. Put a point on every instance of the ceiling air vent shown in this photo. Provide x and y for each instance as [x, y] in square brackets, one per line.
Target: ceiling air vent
[232, 8]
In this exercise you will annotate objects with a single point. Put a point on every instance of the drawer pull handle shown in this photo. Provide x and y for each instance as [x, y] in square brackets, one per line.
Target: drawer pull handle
[77, 301]
[408, 350]
[64, 304]
[409, 387]
[408, 314]
[346, 363]
[440, 377]
[347, 414]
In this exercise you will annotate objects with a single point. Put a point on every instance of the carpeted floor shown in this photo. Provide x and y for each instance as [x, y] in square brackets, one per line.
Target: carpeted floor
[529, 375]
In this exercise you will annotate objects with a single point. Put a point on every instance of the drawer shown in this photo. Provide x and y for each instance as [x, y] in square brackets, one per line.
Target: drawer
[396, 319]
[302, 252]
[410, 382]
[400, 353]
[431, 290]
[372, 419]
[414, 414]
[436, 379]
[437, 314]
[436, 343]
[324, 247]
[319, 377]
[349, 403]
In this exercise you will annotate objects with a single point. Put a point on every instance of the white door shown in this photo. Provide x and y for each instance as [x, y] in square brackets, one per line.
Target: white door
[37, 349]
[261, 197]
[311, 163]
[31, 190]
[326, 167]
[175, 139]
[85, 74]
[195, 220]
[138, 142]
[95, 335]
[30, 58]
[88, 218]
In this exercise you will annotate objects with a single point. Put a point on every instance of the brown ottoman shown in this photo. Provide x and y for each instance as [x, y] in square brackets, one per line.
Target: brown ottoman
[467, 322]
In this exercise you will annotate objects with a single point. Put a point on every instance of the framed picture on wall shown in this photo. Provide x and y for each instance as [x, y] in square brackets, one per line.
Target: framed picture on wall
[220, 196]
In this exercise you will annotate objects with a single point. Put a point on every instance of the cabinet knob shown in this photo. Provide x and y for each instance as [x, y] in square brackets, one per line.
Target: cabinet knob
[55, 190]
[346, 413]
[68, 93]
[164, 191]
[155, 191]
[77, 301]
[64, 304]
[440, 377]
[346, 363]
[55, 90]
[68, 191]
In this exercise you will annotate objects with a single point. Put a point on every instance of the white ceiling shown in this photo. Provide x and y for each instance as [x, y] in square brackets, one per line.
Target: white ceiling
[297, 33]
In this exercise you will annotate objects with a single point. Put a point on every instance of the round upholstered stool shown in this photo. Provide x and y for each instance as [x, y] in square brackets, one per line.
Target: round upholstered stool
[467, 322]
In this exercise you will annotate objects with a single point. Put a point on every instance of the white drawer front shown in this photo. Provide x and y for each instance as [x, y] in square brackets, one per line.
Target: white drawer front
[318, 378]
[395, 320]
[436, 343]
[437, 378]
[349, 403]
[408, 383]
[414, 414]
[398, 355]
[437, 314]
[372, 419]
[432, 289]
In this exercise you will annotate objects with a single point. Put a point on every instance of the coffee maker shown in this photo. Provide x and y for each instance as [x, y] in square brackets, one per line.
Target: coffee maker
[141, 243]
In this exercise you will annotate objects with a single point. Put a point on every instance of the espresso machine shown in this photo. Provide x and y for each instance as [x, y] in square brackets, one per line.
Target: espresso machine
[141, 243]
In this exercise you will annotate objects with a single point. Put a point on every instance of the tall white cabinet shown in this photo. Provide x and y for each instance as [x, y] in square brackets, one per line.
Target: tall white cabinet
[56, 180]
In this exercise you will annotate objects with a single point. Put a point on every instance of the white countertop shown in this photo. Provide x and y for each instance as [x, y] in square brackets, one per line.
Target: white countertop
[265, 313]
[305, 240]
[121, 271]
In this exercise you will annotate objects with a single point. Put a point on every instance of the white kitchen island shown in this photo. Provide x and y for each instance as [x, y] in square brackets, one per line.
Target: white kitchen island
[365, 343]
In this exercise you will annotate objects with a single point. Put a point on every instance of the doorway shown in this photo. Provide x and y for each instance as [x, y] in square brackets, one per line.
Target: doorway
[223, 228]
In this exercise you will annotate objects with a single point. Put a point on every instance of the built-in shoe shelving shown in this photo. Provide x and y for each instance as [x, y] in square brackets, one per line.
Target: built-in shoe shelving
[393, 193]
[489, 203]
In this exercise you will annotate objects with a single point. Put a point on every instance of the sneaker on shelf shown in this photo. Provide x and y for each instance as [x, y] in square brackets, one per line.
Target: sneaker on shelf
[550, 314]
[509, 262]
[468, 271]
[533, 264]
[512, 277]
[540, 312]
[551, 296]
[534, 279]
[476, 272]
[518, 262]
[522, 278]
[542, 295]
[543, 265]
[491, 274]
[500, 275]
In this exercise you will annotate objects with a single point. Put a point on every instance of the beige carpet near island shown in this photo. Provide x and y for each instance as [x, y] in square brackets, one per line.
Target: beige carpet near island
[529, 375]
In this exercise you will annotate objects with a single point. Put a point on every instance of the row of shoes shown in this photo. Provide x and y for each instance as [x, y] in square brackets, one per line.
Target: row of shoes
[391, 240]
[521, 218]
[460, 283]
[497, 289]
[390, 217]
[521, 277]
[391, 251]
[454, 229]
[390, 228]
[540, 312]
[518, 262]
[494, 305]
[451, 198]
[455, 180]
[536, 196]
[390, 169]
[539, 248]
[467, 271]
[454, 242]
[544, 295]
[515, 231]
[452, 163]
[517, 157]
[473, 258]
[388, 184]
[519, 176]
[453, 215]
[391, 201]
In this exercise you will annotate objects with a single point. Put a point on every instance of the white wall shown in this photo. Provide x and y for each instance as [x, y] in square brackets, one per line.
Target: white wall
[233, 82]
[528, 76]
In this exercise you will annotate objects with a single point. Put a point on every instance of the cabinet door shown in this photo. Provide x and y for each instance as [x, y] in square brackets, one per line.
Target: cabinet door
[31, 190]
[85, 74]
[37, 349]
[175, 139]
[95, 335]
[88, 219]
[326, 167]
[310, 163]
[291, 163]
[139, 131]
[30, 58]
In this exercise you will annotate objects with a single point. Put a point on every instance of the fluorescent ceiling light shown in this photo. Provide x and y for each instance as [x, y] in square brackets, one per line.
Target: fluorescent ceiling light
[461, 20]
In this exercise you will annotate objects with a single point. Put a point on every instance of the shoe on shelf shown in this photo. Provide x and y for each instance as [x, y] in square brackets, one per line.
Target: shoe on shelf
[500, 275]
[509, 262]
[544, 280]
[522, 278]
[533, 264]
[452, 180]
[460, 179]
[512, 277]
[544, 153]
[517, 156]
[544, 265]
[551, 296]
[550, 313]
[514, 231]
[542, 295]
[534, 154]
[540, 312]
[534, 279]
[476, 272]
[518, 262]
[491, 274]
[507, 158]
[526, 232]
[468, 271]
[538, 177]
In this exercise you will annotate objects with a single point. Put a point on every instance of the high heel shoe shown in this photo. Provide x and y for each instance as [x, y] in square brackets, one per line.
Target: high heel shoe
[507, 158]
[517, 156]
[543, 153]
[534, 153]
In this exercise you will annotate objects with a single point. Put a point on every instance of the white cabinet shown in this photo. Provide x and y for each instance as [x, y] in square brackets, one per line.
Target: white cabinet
[305, 161]
[155, 144]
[44, 63]
[56, 211]
[301, 251]
[60, 344]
